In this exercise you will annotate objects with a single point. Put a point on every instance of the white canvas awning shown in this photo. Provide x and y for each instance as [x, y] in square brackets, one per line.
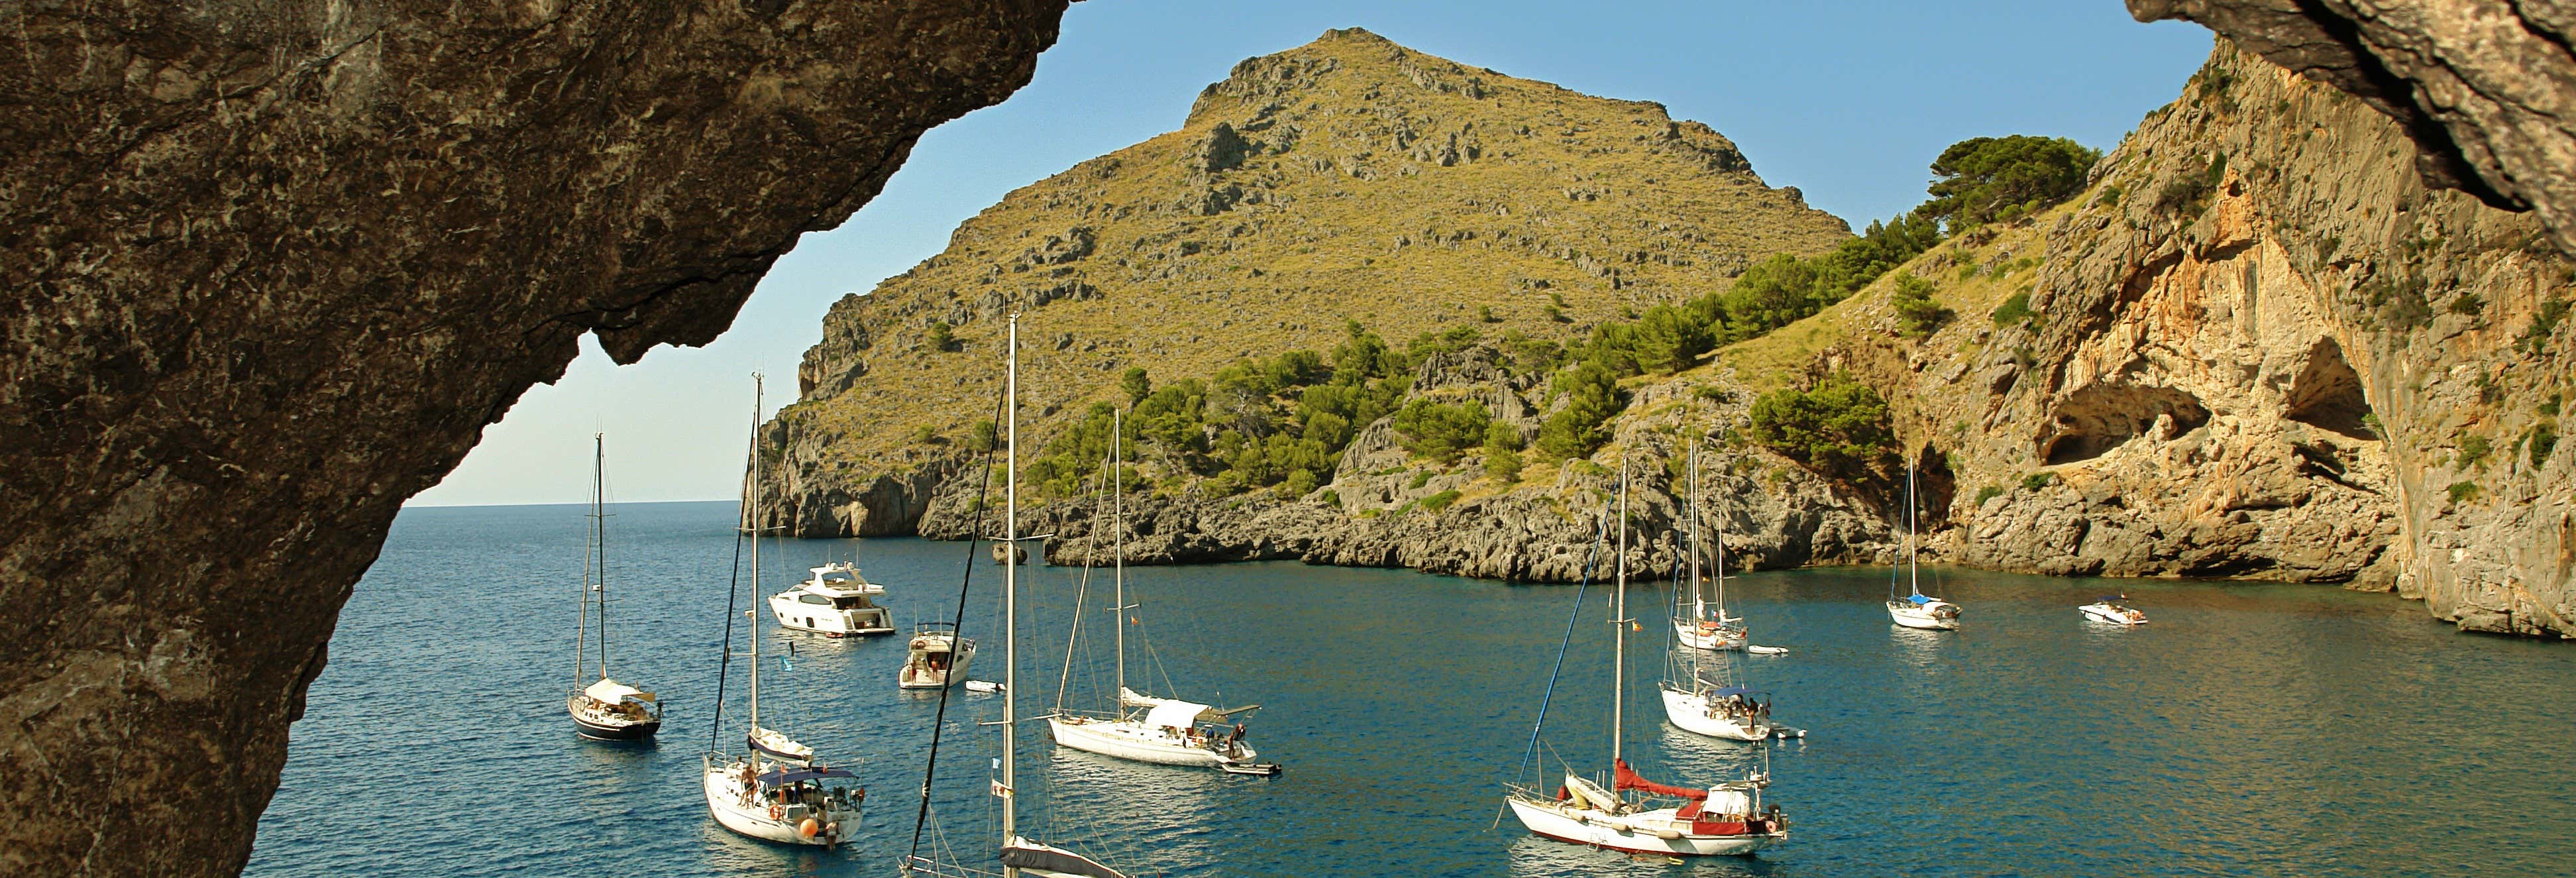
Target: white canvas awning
[614, 692]
[1174, 714]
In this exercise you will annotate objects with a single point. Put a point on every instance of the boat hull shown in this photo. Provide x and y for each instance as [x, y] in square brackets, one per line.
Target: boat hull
[854, 622]
[1128, 739]
[1934, 616]
[600, 725]
[1635, 833]
[726, 802]
[1689, 711]
[1721, 639]
[916, 675]
[2100, 613]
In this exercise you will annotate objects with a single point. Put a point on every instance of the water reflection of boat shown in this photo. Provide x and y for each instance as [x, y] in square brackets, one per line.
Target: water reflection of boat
[2109, 609]
[1725, 819]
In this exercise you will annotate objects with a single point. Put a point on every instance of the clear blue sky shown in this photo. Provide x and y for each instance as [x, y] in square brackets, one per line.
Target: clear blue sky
[1846, 101]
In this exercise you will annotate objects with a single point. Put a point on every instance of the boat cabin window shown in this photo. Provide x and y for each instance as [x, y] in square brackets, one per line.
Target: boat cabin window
[850, 603]
[812, 599]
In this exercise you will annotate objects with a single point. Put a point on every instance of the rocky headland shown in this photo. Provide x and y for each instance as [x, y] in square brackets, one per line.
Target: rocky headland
[2257, 344]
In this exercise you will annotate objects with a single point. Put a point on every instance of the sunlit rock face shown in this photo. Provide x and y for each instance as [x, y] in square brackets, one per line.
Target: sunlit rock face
[2485, 88]
[274, 264]
[2263, 347]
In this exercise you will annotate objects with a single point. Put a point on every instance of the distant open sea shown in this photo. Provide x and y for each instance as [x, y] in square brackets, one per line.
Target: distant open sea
[2250, 729]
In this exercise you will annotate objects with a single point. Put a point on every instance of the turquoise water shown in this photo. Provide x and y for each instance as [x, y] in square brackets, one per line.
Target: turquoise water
[2250, 729]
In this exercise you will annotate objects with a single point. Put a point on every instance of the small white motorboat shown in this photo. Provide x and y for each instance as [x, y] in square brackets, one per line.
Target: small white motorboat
[983, 687]
[938, 658]
[1766, 650]
[836, 602]
[2110, 610]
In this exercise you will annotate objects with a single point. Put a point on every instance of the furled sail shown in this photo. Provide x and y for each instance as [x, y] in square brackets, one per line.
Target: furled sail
[1628, 780]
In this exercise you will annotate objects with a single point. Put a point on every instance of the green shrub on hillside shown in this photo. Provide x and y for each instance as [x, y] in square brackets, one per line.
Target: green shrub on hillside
[1984, 179]
[1592, 397]
[2473, 451]
[2014, 310]
[942, 337]
[1839, 428]
[1135, 384]
[1502, 452]
[1917, 313]
[1441, 431]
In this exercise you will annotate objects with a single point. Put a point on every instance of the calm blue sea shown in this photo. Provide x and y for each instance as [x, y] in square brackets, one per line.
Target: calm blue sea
[2249, 730]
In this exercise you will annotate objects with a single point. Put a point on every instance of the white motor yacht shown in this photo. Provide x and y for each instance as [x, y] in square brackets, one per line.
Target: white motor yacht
[938, 657]
[837, 602]
[2110, 610]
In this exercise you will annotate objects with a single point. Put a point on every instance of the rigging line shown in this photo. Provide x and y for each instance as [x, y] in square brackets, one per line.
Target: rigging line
[724, 659]
[1589, 557]
[957, 630]
[1081, 591]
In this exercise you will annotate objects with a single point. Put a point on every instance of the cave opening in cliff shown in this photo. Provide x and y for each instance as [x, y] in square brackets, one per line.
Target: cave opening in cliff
[2327, 393]
[2101, 417]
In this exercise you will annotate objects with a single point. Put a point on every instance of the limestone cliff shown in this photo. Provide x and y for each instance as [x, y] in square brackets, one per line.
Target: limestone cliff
[1350, 178]
[2260, 346]
[274, 264]
[2485, 88]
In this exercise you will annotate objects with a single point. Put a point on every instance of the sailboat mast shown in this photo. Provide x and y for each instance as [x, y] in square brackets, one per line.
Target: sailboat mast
[751, 519]
[1690, 483]
[1011, 588]
[581, 634]
[1913, 579]
[1619, 630]
[1118, 559]
[599, 527]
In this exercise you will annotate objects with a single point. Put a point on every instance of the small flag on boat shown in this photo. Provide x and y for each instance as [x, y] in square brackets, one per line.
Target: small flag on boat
[997, 763]
[1000, 791]
[785, 665]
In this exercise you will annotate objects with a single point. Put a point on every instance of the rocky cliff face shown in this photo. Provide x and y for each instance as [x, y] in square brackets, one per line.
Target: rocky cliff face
[1390, 508]
[2481, 86]
[275, 264]
[2260, 346]
[1350, 178]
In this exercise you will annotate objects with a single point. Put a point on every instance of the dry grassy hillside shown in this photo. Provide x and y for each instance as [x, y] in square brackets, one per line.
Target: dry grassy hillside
[1348, 179]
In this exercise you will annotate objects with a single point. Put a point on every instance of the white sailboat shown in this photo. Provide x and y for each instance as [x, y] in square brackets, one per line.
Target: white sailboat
[1019, 855]
[1725, 819]
[835, 602]
[605, 709]
[1918, 610]
[775, 790]
[1705, 627]
[1144, 728]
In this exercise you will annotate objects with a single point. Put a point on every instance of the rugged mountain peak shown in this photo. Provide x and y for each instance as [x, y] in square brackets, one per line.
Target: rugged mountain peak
[1346, 179]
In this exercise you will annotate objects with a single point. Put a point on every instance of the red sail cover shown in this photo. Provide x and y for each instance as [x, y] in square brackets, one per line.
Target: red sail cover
[1628, 780]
